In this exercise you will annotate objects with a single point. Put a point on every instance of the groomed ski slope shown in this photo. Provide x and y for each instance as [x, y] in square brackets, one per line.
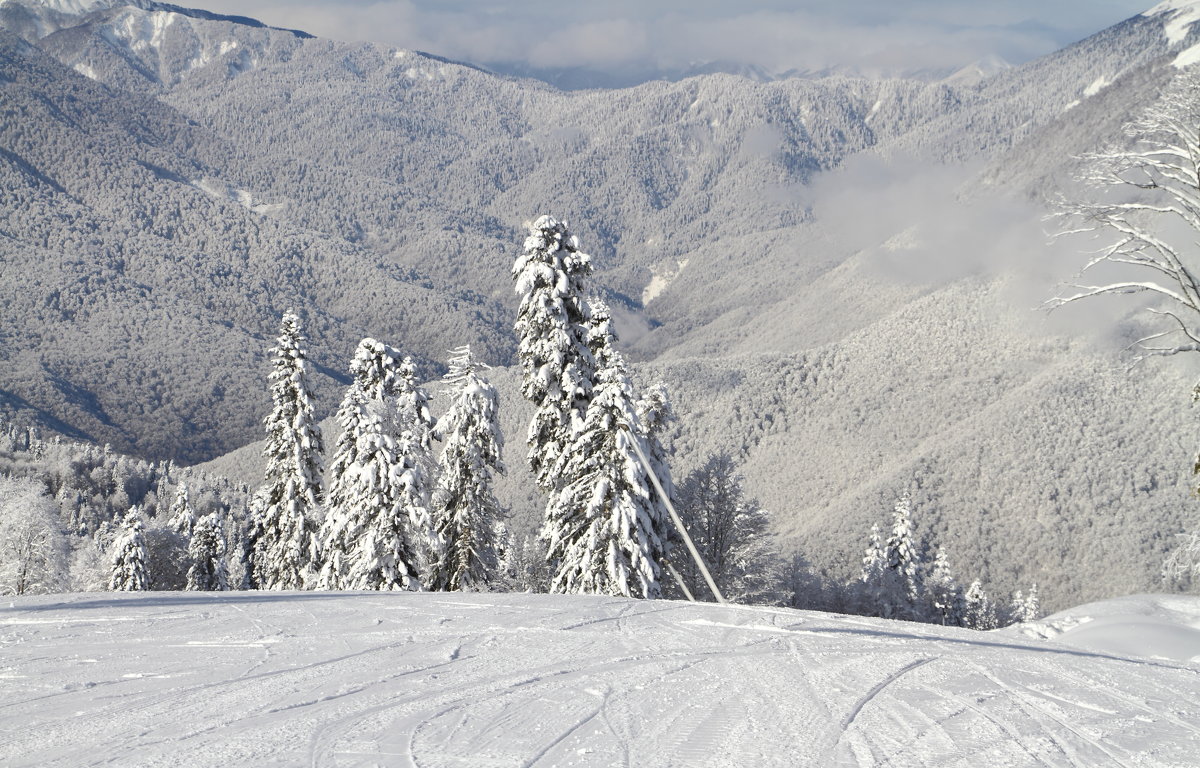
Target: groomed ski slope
[336, 679]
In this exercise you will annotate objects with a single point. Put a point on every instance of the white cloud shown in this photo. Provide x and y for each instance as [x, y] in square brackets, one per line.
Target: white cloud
[652, 38]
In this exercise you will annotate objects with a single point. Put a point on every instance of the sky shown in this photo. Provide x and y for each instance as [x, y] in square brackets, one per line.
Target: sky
[627, 41]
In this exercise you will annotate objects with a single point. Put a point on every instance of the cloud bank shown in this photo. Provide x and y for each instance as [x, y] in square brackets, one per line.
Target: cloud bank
[633, 41]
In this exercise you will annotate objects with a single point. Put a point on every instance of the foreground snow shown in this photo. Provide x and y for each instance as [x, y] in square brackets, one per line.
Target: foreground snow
[285, 679]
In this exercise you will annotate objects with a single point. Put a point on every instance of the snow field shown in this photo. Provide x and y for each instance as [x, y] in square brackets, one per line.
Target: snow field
[403, 679]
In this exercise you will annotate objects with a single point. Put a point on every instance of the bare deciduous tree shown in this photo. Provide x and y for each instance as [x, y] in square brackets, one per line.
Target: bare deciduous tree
[1148, 214]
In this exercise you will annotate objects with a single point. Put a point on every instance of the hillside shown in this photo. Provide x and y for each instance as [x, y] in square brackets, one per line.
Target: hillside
[233, 170]
[327, 679]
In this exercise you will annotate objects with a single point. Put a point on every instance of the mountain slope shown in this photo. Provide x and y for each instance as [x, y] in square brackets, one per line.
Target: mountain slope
[142, 295]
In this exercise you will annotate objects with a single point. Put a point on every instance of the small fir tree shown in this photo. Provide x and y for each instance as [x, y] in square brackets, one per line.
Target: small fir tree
[874, 561]
[979, 610]
[183, 517]
[465, 510]
[128, 573]
[1025, 607]
[944, 593]
[292, 488]
[209, 571]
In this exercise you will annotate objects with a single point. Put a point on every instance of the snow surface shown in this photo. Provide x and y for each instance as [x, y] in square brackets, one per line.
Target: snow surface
[274, 679]
[1183, 13]
[1188, 57]
[660, 280]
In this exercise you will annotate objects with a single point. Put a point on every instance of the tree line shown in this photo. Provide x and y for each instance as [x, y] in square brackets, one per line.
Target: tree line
[385, 513]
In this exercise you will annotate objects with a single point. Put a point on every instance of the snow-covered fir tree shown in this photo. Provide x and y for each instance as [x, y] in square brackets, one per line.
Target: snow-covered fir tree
[209, 571]
[375, 481]
[944, 593]
[464, 509]
[979, 611]
[874, 561]
[904, 560]
[522, 564]
[552, 331]
[605, 529]
[290, 504]
[890, 583]
[128, 561]
[414, 425]
[182, 516]
[1025, 607]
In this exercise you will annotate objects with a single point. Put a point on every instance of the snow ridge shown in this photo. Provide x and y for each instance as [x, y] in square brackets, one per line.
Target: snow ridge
[1183, 14]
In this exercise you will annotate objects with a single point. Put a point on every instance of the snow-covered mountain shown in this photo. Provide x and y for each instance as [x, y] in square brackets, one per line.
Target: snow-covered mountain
[325, 679]
[827, 299]
[37, 19]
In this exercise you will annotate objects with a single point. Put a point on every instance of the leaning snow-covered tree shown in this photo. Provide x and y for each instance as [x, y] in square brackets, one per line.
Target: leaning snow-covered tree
[33, 548]
[366, 539]
[209, 571]
[289, 508]
[605, 529]
[464, 509]
[128, 572]
[552, 333]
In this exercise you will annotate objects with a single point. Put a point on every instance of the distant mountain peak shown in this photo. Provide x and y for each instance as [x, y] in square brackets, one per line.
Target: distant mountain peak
[1168, 6]
[36, 19]
[978, 71]
[80, 7]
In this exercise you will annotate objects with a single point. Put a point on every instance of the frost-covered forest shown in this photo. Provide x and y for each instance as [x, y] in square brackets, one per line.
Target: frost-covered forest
[830, 281]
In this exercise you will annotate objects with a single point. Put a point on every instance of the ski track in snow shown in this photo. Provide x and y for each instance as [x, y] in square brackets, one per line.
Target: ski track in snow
[320, 679]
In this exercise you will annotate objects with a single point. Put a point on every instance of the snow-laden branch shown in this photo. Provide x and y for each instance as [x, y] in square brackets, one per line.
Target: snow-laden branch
[1159, 175]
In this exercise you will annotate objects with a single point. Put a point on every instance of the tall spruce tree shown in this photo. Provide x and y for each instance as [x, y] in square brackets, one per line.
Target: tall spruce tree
[374, 485]
[209, 571]
[128, 572]
[552, 333]
[903, 564]
[605, 528]
[290, 503]
[414, 427]
[465, 511]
